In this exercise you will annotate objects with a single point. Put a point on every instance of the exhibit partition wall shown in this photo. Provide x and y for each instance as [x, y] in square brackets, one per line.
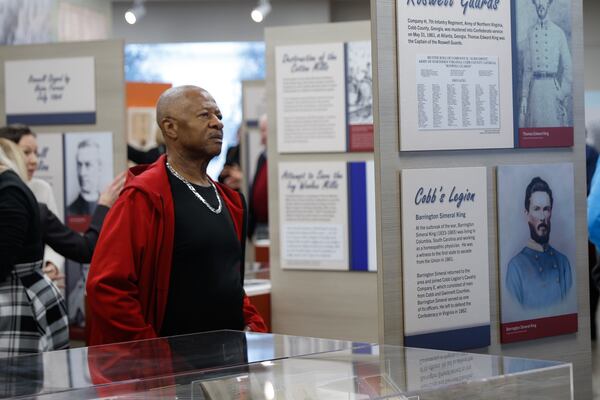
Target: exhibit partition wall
[73, 96]
[321, 181]
[254, 105]
[480, 176]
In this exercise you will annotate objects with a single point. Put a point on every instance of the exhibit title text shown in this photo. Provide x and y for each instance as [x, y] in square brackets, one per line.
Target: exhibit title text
[311, 181]
[438, 195]
[466, 4]
[309, 62]
[49, 86]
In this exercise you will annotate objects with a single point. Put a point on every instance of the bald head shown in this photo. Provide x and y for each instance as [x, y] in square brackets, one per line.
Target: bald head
[174, 100]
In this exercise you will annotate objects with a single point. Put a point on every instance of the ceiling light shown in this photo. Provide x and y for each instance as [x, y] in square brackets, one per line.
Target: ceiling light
[261, 11]
[136, 12]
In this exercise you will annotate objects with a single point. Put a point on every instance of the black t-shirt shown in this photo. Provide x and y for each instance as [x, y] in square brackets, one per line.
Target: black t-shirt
[205, 288]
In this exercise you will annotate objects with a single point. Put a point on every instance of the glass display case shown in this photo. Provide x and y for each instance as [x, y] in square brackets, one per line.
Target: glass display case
[241, 365]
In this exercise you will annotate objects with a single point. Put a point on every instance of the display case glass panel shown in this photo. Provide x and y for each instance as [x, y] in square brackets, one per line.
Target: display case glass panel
[237, 365]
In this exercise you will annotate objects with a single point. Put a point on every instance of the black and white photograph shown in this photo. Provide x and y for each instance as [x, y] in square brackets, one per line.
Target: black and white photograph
[544, 78]
[536, 229]
[359, 83]
[88, 170]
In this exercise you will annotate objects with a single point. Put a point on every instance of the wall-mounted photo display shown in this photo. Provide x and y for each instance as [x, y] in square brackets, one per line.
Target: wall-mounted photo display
[476, 75]
[359, 96]
[445, 258]
[57, 91]
[543, 73]
[50, 166]
[324, 97]
[536, 228]
[88, 167]
[327, 215]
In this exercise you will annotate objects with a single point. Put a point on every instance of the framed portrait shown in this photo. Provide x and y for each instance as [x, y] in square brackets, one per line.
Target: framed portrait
[536, 228]
[88, 168]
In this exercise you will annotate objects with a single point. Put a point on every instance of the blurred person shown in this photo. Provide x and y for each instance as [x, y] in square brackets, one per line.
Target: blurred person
[147, 156]
[67, 242]
[170, 259]
[33, 316]
[258, 224]
[26, 139]
[232, 175]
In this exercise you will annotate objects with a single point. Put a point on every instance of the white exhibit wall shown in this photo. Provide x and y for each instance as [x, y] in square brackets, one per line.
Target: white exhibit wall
[389, 162]
[333, 304]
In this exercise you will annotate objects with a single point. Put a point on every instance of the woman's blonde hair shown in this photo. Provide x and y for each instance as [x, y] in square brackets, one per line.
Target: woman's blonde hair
[11, 156]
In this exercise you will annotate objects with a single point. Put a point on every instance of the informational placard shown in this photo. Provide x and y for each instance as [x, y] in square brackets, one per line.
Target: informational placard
[469, 102]
[445, 258]
[324, 97]
[491, 74]
[327, 219]
[50, 166]
[56, 91]
[536, 227]
[310, 98]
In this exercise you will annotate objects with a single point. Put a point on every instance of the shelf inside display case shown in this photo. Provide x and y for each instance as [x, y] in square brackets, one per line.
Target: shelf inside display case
[241, 365]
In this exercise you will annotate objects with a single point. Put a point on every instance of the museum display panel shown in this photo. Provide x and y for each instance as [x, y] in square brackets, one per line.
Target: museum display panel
[244, 365]
[437, 107]
[322, 185]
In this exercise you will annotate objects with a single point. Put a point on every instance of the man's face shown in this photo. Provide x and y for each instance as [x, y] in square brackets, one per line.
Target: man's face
[538, 217]
[88, 169]
[199, 128]
[541, 6]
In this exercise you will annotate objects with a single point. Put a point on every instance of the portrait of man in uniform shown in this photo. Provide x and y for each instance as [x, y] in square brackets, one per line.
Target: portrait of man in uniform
[539, 275]
[545, 99]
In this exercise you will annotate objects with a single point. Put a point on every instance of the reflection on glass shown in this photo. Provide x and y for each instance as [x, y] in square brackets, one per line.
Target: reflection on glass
[239, 365]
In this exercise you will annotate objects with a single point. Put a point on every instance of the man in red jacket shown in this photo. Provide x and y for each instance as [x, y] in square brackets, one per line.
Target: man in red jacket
[170, 256]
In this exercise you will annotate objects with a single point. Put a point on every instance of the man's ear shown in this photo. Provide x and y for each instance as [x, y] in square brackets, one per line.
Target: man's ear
[169, 127]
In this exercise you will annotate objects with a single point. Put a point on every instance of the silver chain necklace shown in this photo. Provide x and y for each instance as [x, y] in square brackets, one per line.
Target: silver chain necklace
[189, 185]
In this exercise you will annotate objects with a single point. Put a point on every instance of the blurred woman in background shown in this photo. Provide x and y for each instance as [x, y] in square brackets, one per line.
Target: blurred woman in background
[26, 139]
[34, 316]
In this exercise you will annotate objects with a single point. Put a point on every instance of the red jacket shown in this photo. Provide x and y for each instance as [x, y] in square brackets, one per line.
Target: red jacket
[128, 282]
